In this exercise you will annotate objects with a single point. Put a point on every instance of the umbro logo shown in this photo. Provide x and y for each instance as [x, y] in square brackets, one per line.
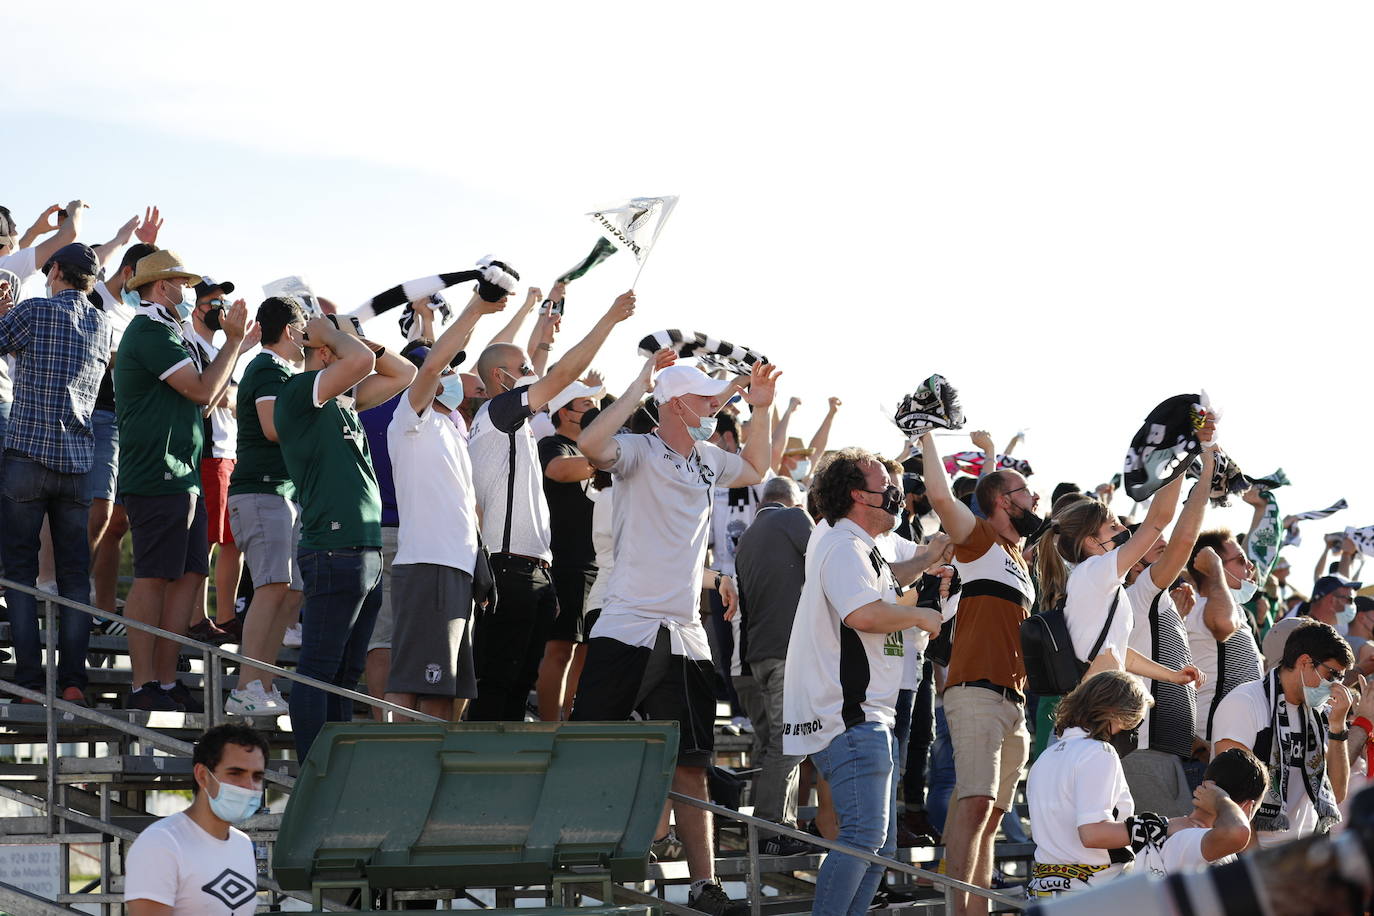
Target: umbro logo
[231, 888]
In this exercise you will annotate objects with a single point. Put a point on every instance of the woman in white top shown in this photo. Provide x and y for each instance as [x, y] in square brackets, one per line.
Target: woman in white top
[1077, 789]
[1083, 561]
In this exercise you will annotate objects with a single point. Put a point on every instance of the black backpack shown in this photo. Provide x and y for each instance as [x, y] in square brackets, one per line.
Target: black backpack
[1052, 669]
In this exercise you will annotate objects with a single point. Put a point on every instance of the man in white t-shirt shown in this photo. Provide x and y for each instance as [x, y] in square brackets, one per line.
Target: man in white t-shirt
[648, 649]
[1217, 828]
[197, 863]
[509, 482]
[1284, 719]
[436, 543]
[844, 668]
[1220, 638]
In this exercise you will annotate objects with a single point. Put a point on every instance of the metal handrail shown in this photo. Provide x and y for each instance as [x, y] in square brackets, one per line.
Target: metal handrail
[755, 824]
[217, 651]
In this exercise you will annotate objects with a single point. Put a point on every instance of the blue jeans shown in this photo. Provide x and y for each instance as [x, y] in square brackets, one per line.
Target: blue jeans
[342, 598]
[861, 767]
[33, 491]
[940, 787]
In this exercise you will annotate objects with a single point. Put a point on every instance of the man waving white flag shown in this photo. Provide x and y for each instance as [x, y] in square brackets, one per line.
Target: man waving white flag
[635, 224]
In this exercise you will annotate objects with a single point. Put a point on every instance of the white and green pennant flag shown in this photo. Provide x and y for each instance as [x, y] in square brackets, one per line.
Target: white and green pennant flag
[635, 225]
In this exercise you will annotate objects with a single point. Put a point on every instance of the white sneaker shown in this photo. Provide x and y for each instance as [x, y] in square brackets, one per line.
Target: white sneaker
[276, 699]
[251, 701]
[743, 724]
[292, 639]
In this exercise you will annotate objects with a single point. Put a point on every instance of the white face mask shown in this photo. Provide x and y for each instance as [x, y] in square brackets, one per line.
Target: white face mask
[801, 469]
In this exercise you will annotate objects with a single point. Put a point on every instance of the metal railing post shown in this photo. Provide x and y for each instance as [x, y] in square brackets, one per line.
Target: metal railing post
[755, 876]
[50, 691]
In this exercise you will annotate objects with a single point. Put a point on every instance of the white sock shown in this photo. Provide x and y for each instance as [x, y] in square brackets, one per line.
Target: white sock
[166, 686]
[698, 884]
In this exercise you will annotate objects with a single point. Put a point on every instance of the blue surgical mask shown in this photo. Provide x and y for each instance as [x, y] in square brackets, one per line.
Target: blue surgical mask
[1346, 614]
[235, 804]
[706, 430]
[801, 469]
[130, 298]
[1316, 697]
[452, 394]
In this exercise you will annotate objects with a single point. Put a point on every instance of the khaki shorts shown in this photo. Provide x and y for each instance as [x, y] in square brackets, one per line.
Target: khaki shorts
[990, 741]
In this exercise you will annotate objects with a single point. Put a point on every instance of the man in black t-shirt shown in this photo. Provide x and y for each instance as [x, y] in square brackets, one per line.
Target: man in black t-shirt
[567, 476]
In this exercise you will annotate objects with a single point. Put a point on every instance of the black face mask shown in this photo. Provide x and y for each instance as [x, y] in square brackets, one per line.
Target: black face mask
[1120, 538]
[589, 416]
[214, 318]
[892, 500]
[1125, 742]
[1027, 523]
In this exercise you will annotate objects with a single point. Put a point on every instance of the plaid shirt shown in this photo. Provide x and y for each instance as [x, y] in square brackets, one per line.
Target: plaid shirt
[61, 347]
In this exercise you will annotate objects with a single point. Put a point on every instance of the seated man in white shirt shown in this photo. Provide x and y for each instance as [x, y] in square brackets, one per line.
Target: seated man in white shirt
[197, 863]
[1218, 827]
[648, 649]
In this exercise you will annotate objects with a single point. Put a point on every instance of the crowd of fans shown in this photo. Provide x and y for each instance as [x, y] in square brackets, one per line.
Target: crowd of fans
[466, 540]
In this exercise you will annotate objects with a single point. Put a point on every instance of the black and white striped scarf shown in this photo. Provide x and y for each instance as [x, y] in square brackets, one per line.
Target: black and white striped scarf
[711, 352]
[1291, 537]
[933, 404]
[495, 279]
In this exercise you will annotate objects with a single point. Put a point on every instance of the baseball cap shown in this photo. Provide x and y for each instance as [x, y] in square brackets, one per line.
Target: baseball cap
[1277, 638]
[572, 393]
[913, 484]
[675, 381]
[207, 284]
[76, 255]
[1328, 584]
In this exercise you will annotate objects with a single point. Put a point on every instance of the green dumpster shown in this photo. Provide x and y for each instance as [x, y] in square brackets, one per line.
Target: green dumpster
[462, 805]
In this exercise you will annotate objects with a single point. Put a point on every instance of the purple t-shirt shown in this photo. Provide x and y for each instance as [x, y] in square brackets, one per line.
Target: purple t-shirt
[375, 421]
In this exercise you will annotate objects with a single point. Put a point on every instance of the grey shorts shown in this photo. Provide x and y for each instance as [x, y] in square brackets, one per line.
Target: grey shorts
[267, 527]
[431, 641]
[381, 633]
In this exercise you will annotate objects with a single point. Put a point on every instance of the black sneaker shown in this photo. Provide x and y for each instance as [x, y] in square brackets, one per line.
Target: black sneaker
[787, 846]
[712, 899]
[180, 694]
[151, 698]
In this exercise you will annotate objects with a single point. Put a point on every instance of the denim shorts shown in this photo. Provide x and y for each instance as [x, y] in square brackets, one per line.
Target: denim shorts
[104, 472]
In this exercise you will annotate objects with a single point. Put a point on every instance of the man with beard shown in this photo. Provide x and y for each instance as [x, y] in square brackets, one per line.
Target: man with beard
[986, 680]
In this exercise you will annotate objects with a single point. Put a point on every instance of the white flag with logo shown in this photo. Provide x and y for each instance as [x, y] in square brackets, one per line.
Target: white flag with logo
[635, 224]
[295, 288]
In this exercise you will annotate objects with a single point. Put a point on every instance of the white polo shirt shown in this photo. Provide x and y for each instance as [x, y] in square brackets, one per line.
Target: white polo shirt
[837, 677]
[508, 478]
[432, 474]
[897, 549]
[1076, 781]
[661, 520]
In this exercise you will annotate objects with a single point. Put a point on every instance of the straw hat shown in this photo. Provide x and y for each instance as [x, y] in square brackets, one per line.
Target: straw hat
[160, 265]
[794, 447]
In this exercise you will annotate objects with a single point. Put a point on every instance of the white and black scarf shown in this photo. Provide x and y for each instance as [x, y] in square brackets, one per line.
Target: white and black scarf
[1280, 750]
[1292, 538]
[495, 279]
[713, 353]
[933, 404]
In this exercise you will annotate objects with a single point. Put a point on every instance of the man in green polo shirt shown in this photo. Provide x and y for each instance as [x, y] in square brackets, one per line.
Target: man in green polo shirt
[161, 389]
[340, 552]
[263, 514]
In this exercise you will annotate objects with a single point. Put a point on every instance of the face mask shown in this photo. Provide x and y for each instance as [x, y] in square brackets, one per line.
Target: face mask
[1125, 742]
[589, 416]
[520, 382]
[235, 804]
[892, 500]
[213, 318]
[706, 430]
[1245, 592]
[471, 405]
[1120, 538]
[801, 469]
[130, 298]
[1346, 614]
[1027, 523]
[452, 394]
[1316, 697]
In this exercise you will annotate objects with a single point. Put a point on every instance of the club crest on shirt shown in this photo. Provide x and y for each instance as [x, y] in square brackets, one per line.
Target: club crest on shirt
[231, 888]
[893, 645]
[432, 673]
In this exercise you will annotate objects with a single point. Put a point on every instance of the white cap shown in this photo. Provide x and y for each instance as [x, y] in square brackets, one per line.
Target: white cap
[572, 393]
[675, 381]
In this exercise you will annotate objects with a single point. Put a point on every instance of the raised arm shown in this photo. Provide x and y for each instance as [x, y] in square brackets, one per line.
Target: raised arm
[1160, 514]
[540, 348]
[758, 450]
[822, 437]
[933, 553]
[67, 231]
[512, 328]
[780, 425]
[353, 359]
[205, 387]
[107, 251]
[597, 440]
[391, 374]
[454, 338]
[957, 519]
[575, 362]
[1219, 615]
[983, 440]
[1167, 568]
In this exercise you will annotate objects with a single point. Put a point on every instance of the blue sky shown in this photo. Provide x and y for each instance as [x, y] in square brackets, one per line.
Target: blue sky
[1071, 210]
